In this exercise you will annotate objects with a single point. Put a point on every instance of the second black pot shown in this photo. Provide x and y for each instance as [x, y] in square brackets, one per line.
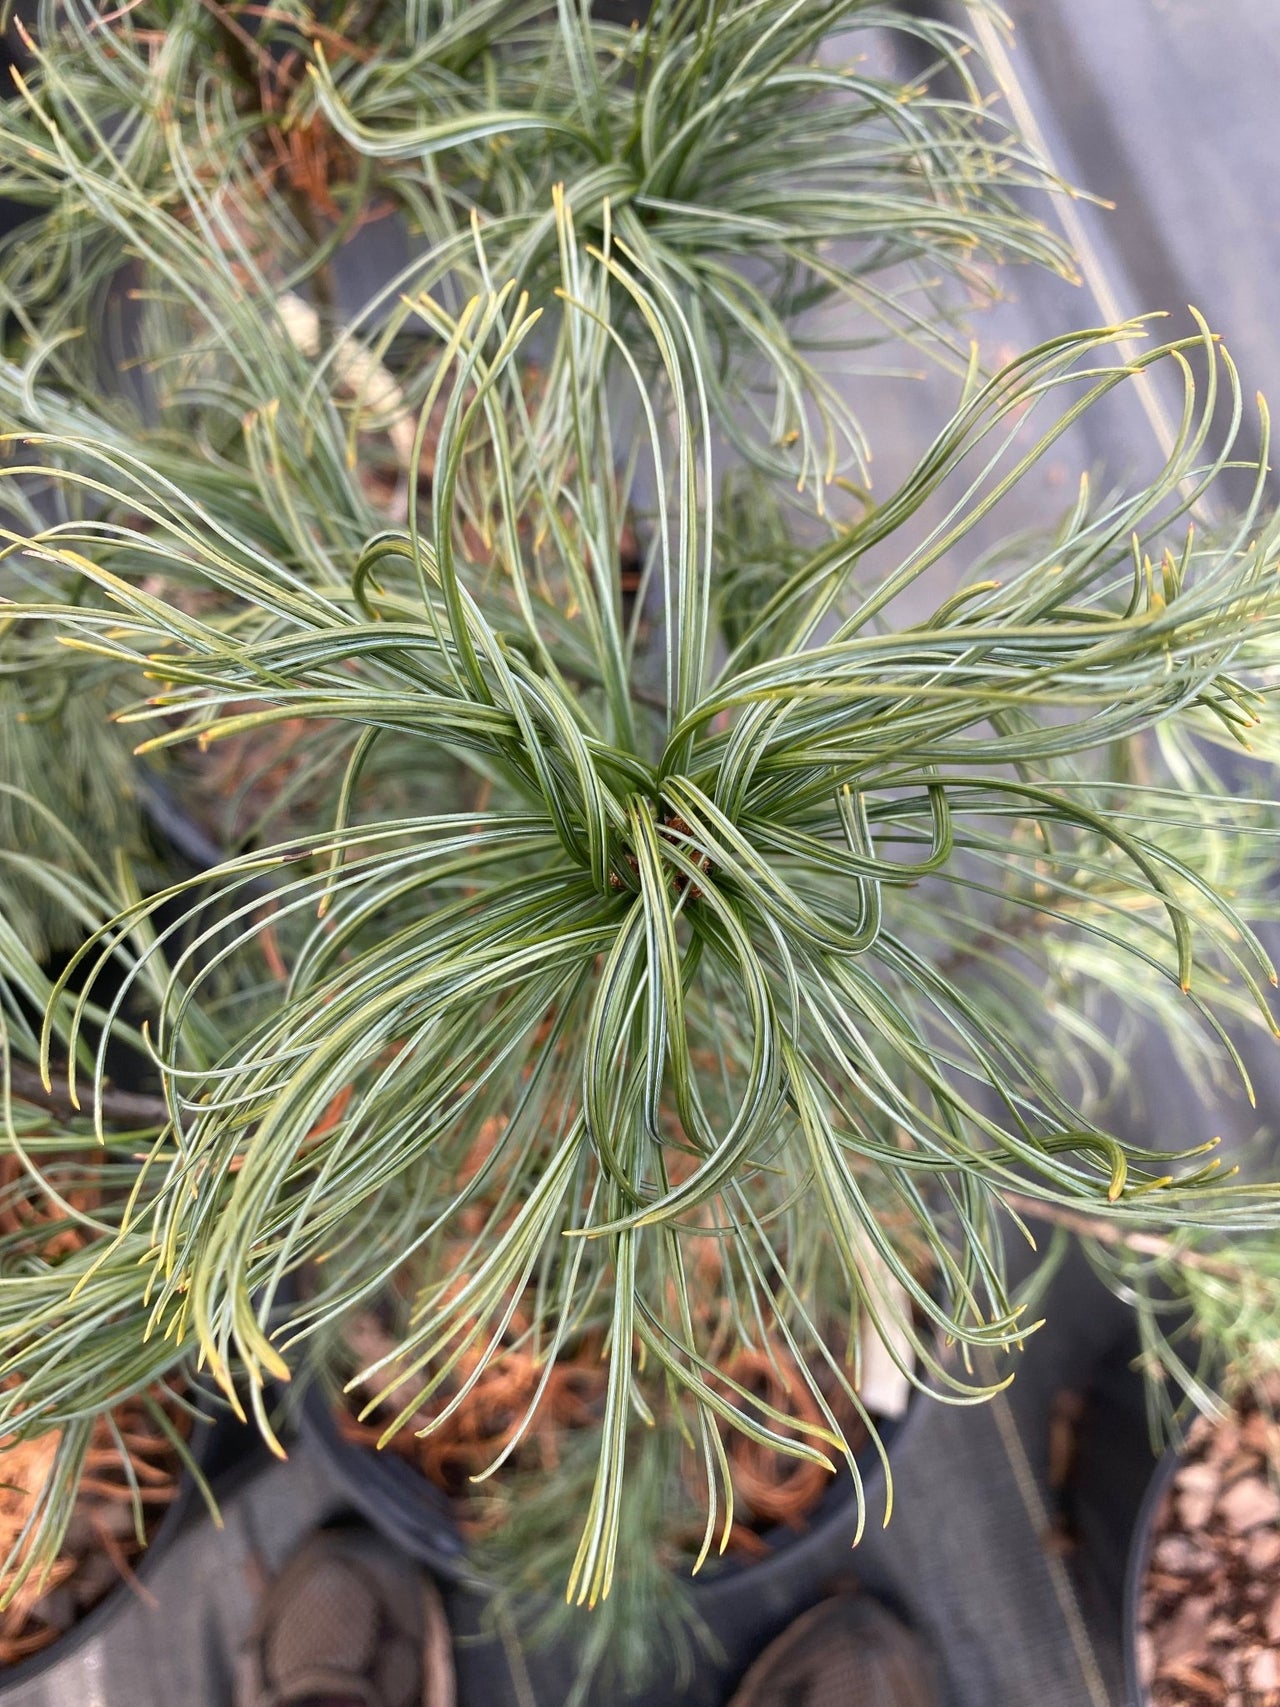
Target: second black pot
[742, 1606]
[208, 1447]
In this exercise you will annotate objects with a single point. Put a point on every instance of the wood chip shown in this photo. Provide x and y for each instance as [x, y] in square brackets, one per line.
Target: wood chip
[1146, 1657]
[1182, 1556]
[1248, 1504]
[1197, 1490]
[1183, 1637]
[1212, 1689]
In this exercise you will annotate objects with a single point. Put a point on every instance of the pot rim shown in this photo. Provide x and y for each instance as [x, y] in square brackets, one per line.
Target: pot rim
[399, 1500]
[1135, 1576]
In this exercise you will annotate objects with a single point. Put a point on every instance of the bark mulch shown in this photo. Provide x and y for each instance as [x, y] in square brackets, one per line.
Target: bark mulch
[1209, 1618]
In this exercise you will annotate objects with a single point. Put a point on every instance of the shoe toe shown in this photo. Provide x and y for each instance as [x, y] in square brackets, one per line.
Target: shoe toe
[846, 1652]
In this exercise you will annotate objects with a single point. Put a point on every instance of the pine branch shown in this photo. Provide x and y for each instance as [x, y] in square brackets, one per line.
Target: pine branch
[120, 1108]
[1129, 1238]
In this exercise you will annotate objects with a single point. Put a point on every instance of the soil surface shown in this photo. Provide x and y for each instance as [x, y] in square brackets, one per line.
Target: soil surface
[1209, 1617]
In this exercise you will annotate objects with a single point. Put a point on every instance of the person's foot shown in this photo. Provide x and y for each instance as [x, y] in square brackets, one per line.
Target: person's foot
[348, 1623]
[845, 1652]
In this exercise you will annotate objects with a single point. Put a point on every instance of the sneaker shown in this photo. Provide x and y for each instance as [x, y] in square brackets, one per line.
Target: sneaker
[348, 1623]
[845, 1652]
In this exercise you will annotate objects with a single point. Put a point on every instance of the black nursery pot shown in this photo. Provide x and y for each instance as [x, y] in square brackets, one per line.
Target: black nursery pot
[1135, 1694]
[742, 1605]
[208, 1445]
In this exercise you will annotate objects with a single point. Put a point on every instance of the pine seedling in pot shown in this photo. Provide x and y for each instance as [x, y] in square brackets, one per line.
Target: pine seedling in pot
[760, 160]
[653, 1003]
[689, 964]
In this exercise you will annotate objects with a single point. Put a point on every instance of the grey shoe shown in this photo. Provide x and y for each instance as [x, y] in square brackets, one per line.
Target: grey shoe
[348, 1622]
[845, 1652]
